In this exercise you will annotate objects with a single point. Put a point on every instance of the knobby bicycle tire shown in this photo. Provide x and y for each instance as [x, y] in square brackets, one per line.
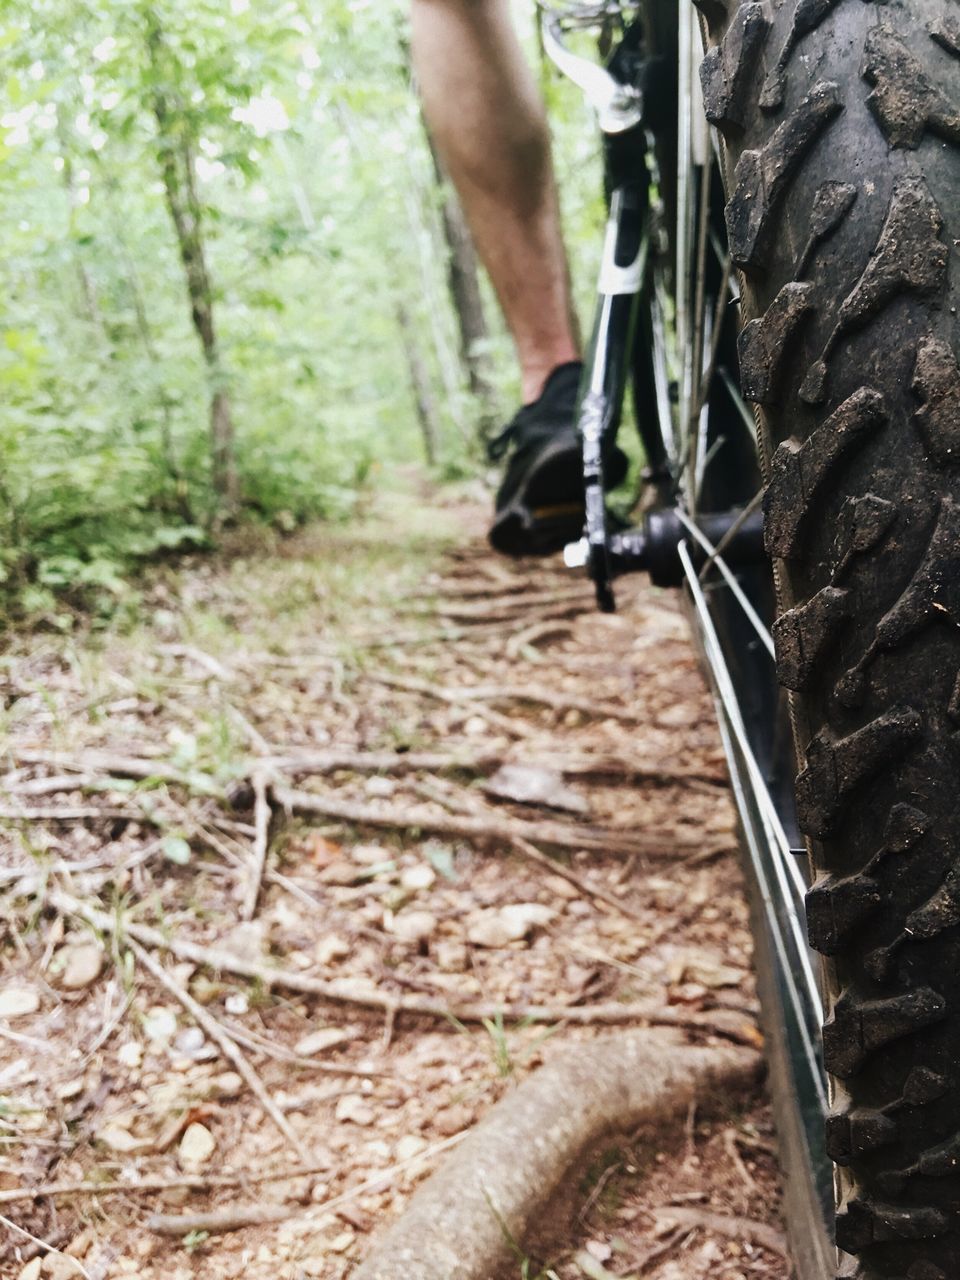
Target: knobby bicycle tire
[839, 123]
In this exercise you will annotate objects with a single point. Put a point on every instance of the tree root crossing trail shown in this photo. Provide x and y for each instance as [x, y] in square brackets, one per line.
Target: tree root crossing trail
[308, 871]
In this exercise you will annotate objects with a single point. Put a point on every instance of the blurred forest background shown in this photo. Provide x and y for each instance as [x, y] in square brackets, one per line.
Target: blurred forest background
[235, 287]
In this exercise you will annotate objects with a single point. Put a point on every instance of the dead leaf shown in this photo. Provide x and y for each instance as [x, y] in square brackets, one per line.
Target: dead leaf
[531, 784]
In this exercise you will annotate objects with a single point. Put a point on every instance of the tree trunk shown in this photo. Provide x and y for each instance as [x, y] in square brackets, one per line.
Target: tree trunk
[186, 212]
[88, 292]
[422, 392]
[463, 278]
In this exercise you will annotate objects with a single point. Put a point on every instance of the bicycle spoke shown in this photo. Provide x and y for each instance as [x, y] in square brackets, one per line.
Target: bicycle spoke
[766, 638]
[776, 837]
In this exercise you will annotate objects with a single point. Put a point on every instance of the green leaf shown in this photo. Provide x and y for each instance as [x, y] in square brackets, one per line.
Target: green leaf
[177, 850]
[441, 859]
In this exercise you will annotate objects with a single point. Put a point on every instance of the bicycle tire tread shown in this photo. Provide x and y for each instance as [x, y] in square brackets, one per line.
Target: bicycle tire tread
[841, 132]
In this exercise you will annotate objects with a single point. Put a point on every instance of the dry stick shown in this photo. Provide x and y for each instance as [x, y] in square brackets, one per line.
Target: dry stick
[213, 1029]
[343, 993]
[370, 641]
[258, 1045]
[533, 854]
[359, 761]
[531, 635]
[75, 813]
[261, 843]
[733, 1228]
[505, 693]
[60, 782]
[123, 766]
[321, 762]
[659, 844]
[730, 1146]
[491, 604]
[232, 1219]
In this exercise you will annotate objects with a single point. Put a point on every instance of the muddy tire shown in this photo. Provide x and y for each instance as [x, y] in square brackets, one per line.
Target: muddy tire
[840, 127]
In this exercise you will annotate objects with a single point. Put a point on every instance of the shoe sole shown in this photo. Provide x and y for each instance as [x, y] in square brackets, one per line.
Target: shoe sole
[546, 513]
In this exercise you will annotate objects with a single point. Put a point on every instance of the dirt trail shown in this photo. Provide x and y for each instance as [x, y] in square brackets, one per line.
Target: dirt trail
[480, 719]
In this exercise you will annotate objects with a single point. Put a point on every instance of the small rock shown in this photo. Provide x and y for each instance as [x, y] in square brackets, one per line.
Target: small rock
[419, 877]
[130, 1053]
[600, 1250]
[680, 716]
[228, 1084]
[715, 975]
[79, 965]
[488, 930]
[370, 855]
[237, 1003]
[320, 1041]
[196, 1146]
[410, 1145]
[331, 947]
[160, 1024]
[71, 1089]
[341, 873]
[562, 888]
[413, 926]
[498, 928]
[32, 1270]
[451, 957]
[578, 907]
[352, 1107]
[522, 917]
[57, 1266]
[453, 1120]
[380, 787]
[116, 1138]
[18, 1002]
[475, 727]
[192, 1043]
[342, 1242]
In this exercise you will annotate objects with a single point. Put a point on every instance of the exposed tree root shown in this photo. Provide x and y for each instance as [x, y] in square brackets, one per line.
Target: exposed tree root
[506, 1177]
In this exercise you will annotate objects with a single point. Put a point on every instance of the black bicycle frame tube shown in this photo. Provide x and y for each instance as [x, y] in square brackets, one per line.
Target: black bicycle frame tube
[607, 363]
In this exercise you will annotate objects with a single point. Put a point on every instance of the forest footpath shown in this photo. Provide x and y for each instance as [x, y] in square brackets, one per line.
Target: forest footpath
[309, 871]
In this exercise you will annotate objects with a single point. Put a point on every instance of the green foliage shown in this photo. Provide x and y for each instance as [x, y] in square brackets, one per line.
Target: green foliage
[318, 215]
[318, 212]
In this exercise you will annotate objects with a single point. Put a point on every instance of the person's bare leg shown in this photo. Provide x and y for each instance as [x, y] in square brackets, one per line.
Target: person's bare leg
[486, 117]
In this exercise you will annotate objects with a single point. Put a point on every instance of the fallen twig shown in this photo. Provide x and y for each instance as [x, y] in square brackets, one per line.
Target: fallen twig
[209, 1024]
[655, 844]
[95, 760]
[72, 813]
[733, 1228]
[506, 693]
[256, 1044]
[346, 991]
[261, 842]
[233, 1218]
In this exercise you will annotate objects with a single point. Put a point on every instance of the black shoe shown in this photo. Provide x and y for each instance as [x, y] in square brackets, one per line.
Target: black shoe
[540, 505]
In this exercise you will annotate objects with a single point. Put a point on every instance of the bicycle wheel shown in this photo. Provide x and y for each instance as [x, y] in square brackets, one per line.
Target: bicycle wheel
[718, 469]
[837, 127]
